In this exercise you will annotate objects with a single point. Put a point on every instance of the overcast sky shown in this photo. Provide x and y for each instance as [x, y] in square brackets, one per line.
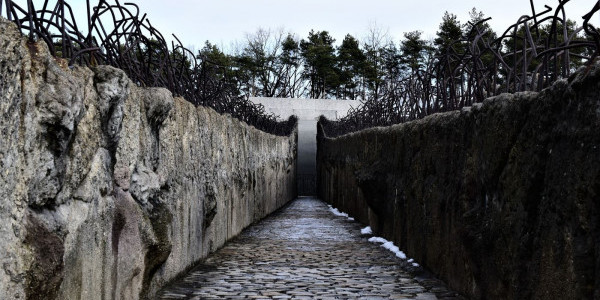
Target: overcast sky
[225, 21]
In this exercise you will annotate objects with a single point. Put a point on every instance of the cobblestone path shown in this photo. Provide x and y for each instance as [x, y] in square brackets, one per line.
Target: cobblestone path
[303, 251]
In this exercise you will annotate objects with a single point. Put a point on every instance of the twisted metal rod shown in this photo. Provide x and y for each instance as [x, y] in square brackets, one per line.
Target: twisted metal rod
[480, 65]
[118, 35]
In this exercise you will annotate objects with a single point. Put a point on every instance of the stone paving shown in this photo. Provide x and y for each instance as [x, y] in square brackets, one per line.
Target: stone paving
[303, 251]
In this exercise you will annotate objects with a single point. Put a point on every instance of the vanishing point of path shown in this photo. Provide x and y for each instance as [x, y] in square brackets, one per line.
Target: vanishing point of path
[303, 251]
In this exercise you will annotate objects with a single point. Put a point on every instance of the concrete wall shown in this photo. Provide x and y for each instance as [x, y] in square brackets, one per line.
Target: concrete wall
[500, 200]
[308, 112]
[110, 190]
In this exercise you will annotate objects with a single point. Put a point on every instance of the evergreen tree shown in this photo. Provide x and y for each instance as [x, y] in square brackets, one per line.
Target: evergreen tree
[449, 50]
[291, 59]
[351, 62]
[391, 59]
[220, 66]
[449, 33]
[483, 63]
[413, 49]
[478, 28]
[416, 55]
[320, 64]
[477, 24]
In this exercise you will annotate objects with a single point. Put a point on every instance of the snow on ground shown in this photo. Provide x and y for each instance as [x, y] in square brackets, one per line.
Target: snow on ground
[366, 230]
[336, 212]
[377, 239]
[388, 245]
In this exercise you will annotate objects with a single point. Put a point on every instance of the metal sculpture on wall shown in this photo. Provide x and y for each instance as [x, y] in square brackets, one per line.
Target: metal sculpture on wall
[529, 56]
[118, 35]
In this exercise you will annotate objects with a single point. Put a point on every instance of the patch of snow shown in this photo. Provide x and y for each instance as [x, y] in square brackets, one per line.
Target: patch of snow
[388, 245]
[410, 260]
[415, 264]
[350, 219]
[336, 212]
[366, 230]
[377, 239]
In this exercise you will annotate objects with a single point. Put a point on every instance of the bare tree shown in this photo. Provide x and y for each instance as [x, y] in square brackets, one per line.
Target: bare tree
[294, 85]
[373, 43]
[261, 57]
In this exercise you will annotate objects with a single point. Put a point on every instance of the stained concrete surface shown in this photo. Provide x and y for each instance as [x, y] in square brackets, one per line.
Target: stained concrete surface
[308, 112]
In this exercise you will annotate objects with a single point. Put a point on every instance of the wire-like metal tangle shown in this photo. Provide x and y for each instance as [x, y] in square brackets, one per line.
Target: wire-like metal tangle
[117, 34]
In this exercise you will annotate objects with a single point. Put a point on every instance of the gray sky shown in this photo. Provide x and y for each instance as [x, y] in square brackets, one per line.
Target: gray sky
[225, 21]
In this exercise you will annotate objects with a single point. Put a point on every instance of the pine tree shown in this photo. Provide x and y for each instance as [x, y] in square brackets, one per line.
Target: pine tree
[391, 59]
[449, 33]
[413, 49]
[320, 64]
[416, 55]
[291, 59]
[351, 62]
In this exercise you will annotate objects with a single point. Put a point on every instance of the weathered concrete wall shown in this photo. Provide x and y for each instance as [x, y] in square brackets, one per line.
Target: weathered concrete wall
[501, 200]
[308, 112]
[109, 190]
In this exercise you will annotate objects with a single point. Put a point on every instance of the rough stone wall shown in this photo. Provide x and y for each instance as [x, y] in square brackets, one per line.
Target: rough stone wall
[108, 190]
[501, 200]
